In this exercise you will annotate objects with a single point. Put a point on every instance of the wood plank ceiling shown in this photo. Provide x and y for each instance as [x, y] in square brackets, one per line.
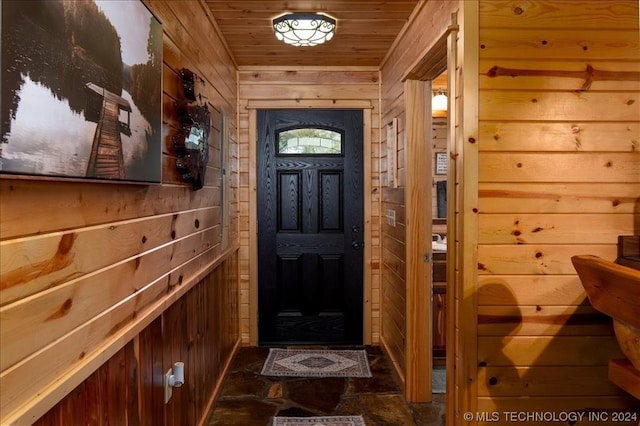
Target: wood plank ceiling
[365, 31]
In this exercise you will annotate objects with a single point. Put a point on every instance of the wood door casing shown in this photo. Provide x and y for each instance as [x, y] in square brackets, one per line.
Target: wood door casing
[310, 232]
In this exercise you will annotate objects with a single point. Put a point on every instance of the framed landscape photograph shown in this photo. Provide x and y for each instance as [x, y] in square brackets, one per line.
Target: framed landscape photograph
[81, 90]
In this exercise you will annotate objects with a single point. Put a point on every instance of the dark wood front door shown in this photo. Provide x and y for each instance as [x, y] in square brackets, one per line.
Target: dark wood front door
[310, 226]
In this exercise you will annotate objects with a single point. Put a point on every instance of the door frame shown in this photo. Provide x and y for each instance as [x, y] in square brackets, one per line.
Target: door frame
[457, 51]
[418, 257]
[441, 56]
[252, 236]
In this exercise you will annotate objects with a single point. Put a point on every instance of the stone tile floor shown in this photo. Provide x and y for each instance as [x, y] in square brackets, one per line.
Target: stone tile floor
[249, 399]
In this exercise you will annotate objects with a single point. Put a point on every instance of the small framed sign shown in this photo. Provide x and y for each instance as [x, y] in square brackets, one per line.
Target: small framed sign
[441, 163]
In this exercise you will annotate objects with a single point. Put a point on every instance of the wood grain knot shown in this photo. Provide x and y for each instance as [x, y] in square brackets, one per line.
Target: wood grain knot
[64, 310]
[66, 243]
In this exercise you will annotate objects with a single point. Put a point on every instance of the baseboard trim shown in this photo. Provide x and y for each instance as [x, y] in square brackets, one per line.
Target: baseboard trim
[218, 388]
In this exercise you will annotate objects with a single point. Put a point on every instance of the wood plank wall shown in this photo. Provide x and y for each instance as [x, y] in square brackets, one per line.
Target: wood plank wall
[559, 175]
[307, 87]
[89, 268]
[428, 23]
[200, 329]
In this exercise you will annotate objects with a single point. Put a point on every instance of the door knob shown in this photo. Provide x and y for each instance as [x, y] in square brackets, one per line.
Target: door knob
[355, 228]
[355, 245]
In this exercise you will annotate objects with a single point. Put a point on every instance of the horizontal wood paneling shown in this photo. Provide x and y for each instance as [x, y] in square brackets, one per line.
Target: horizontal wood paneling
[262, 76]
[576, 136]
[594, 75]
[531, 290]
[550, 43]
[536, 259]
[290, 92]
[553, 14]
[55, 313]
[200, 329]
[523, 228]
[393, 262]
[74, 204]
[513, 105]
[189, 30]
[41, 262]
[86, 266]
[547, 351]
[307, 87]
[562, 197]
[541, 320]
[535, 381]
[559, 168]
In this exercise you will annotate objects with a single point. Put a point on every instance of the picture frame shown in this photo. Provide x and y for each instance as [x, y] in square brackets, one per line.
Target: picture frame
[82, 91]
[441, 163]
[392, 153]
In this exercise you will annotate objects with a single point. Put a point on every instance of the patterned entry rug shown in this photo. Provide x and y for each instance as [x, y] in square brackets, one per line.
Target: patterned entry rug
[319, 421]
[316, 363]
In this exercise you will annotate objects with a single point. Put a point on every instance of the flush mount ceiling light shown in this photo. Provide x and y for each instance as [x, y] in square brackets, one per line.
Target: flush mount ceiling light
[304, 29]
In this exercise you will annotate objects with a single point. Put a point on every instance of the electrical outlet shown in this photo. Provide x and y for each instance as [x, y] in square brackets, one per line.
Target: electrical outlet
[390, 217]
[168, 390]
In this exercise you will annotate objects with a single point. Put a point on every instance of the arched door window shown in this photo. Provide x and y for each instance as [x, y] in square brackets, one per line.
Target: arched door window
[309, 141]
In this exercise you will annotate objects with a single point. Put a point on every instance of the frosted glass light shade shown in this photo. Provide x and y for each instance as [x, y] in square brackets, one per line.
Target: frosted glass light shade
[439, 105]
[304, 29]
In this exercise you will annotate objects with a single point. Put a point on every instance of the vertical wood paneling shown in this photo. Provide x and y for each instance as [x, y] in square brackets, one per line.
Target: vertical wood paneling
[128, 388]
[559, 175]
[418, 228]
[96, 276]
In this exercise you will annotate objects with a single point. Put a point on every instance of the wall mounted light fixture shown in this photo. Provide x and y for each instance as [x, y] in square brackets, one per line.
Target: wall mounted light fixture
[304, 29]
[173, 378]
[439, 104]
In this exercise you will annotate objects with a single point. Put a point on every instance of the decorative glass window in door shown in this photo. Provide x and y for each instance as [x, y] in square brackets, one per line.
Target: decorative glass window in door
[309, 141]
